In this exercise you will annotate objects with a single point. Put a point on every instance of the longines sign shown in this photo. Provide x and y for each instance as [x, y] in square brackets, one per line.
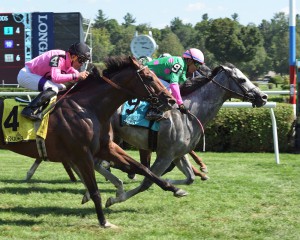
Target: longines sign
[42, 33]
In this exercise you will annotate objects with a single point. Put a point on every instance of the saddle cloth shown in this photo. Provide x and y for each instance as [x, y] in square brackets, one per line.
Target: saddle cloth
[133, 113]
[17, 128]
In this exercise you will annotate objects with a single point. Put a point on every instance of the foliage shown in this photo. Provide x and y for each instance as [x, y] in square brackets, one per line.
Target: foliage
[250, 130]
[247, 197]
[256, 50]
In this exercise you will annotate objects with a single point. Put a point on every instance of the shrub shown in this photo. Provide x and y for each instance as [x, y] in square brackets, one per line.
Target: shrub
[249, 130]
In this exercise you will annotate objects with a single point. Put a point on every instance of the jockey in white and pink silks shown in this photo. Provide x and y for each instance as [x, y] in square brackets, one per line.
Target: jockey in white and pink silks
[48, 72]
[172, 70]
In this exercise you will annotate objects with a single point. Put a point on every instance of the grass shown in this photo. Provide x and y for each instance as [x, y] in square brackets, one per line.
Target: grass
[247, 196]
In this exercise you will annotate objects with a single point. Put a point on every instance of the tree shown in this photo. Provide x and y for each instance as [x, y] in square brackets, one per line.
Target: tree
[100, 20]
[235, 17]
[170, 43]
[102, 46]
[229, 42]
[185, 32]
[128, 20]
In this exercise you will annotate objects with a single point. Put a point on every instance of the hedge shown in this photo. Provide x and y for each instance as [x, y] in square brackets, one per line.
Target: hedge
[249, 130]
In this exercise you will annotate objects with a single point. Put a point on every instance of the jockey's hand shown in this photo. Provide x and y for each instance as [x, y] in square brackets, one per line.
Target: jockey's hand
[182, 109]
[83, 75]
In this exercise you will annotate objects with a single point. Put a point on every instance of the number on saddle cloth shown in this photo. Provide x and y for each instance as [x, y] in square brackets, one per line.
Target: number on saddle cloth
[17, 128]
[134, 112]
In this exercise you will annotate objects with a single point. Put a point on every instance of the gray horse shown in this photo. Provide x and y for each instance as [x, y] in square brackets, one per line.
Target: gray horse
[179, 133]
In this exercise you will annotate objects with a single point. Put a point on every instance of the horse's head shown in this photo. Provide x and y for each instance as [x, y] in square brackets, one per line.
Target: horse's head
[157, 92]
[239, 85]
[139, 82]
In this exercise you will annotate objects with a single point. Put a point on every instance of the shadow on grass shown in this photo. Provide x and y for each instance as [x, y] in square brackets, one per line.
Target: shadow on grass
[19, 222]
[30, 190]
[56, 211]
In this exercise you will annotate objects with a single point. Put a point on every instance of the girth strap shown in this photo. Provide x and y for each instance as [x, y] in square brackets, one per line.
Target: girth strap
[40, 143]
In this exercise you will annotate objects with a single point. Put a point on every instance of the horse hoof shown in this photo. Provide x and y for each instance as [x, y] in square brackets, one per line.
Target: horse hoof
[85, 199]
[109, 225]
[180, 193]
[132, 176]
[204, 178]
[109, 202]
[204, 169]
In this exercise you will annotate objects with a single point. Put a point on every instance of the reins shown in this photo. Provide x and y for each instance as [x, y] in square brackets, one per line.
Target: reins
[212, 79]
[201, 126]
[245, 94]
[152, 96]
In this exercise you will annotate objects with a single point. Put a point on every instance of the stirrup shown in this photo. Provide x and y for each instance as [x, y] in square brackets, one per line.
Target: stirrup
[29, 113]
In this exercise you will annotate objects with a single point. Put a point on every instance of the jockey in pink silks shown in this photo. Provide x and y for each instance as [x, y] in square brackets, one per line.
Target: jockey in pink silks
[48, 72]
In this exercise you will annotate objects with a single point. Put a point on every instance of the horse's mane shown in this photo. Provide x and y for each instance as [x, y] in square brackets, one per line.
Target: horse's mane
[116, 63]
[113, 64]
[195, 83]
[217, 69]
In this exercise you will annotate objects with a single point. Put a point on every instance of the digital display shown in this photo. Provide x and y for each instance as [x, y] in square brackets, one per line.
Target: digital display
[12, 45]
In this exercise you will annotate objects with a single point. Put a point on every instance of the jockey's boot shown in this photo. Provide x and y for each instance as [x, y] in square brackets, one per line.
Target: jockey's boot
[153, 114]
[34, 109]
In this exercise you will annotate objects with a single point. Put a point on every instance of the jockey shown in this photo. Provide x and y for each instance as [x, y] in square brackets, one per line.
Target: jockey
[164, 55]
[172, 71]
[47, 73]
[144, 59]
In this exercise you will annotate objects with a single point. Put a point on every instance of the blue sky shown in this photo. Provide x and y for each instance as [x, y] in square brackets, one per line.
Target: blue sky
[157, 13]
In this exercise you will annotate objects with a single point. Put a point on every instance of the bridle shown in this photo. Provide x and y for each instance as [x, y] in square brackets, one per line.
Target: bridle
[245, 93]
[152, 97]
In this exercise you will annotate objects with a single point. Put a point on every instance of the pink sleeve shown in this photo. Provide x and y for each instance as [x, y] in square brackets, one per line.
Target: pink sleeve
[59, 77]
[176, 92]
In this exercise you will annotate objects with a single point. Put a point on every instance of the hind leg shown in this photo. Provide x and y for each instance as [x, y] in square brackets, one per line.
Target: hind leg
[120, 159]
[199, 161]
[147, 182]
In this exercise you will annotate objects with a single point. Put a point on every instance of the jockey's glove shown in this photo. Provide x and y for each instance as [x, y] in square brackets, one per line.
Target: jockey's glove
[182, 109]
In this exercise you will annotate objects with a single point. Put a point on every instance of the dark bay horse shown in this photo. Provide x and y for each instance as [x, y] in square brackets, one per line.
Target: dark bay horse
[79, 128]
[179, 133]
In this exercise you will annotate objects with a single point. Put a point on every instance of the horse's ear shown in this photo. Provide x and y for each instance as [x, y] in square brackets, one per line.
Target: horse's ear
[134, 61]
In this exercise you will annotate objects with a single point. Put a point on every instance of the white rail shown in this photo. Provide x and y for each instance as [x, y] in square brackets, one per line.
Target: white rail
[270, 105]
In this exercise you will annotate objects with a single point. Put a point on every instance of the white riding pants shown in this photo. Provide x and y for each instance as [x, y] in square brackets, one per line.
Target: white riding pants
[29, 80]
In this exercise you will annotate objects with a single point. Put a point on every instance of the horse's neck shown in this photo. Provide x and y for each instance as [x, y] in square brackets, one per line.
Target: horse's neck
[206, 101]
[102, 99]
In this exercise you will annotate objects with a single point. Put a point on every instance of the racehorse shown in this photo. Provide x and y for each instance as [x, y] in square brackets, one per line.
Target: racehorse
[79, 125]
[179, 133]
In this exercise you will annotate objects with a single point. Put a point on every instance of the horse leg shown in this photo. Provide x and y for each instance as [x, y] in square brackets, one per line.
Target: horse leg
[202, 175]
[33, 168]
[112, 178]
[124, 162]
[184, 165]
[145, 159]
[199, 161]
[147, 182]
[69, 172]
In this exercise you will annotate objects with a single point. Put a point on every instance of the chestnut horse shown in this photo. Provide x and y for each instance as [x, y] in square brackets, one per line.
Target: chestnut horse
[80, 123]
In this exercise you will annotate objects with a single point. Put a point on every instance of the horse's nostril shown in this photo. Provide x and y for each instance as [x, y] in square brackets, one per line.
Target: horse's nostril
[265, 97]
